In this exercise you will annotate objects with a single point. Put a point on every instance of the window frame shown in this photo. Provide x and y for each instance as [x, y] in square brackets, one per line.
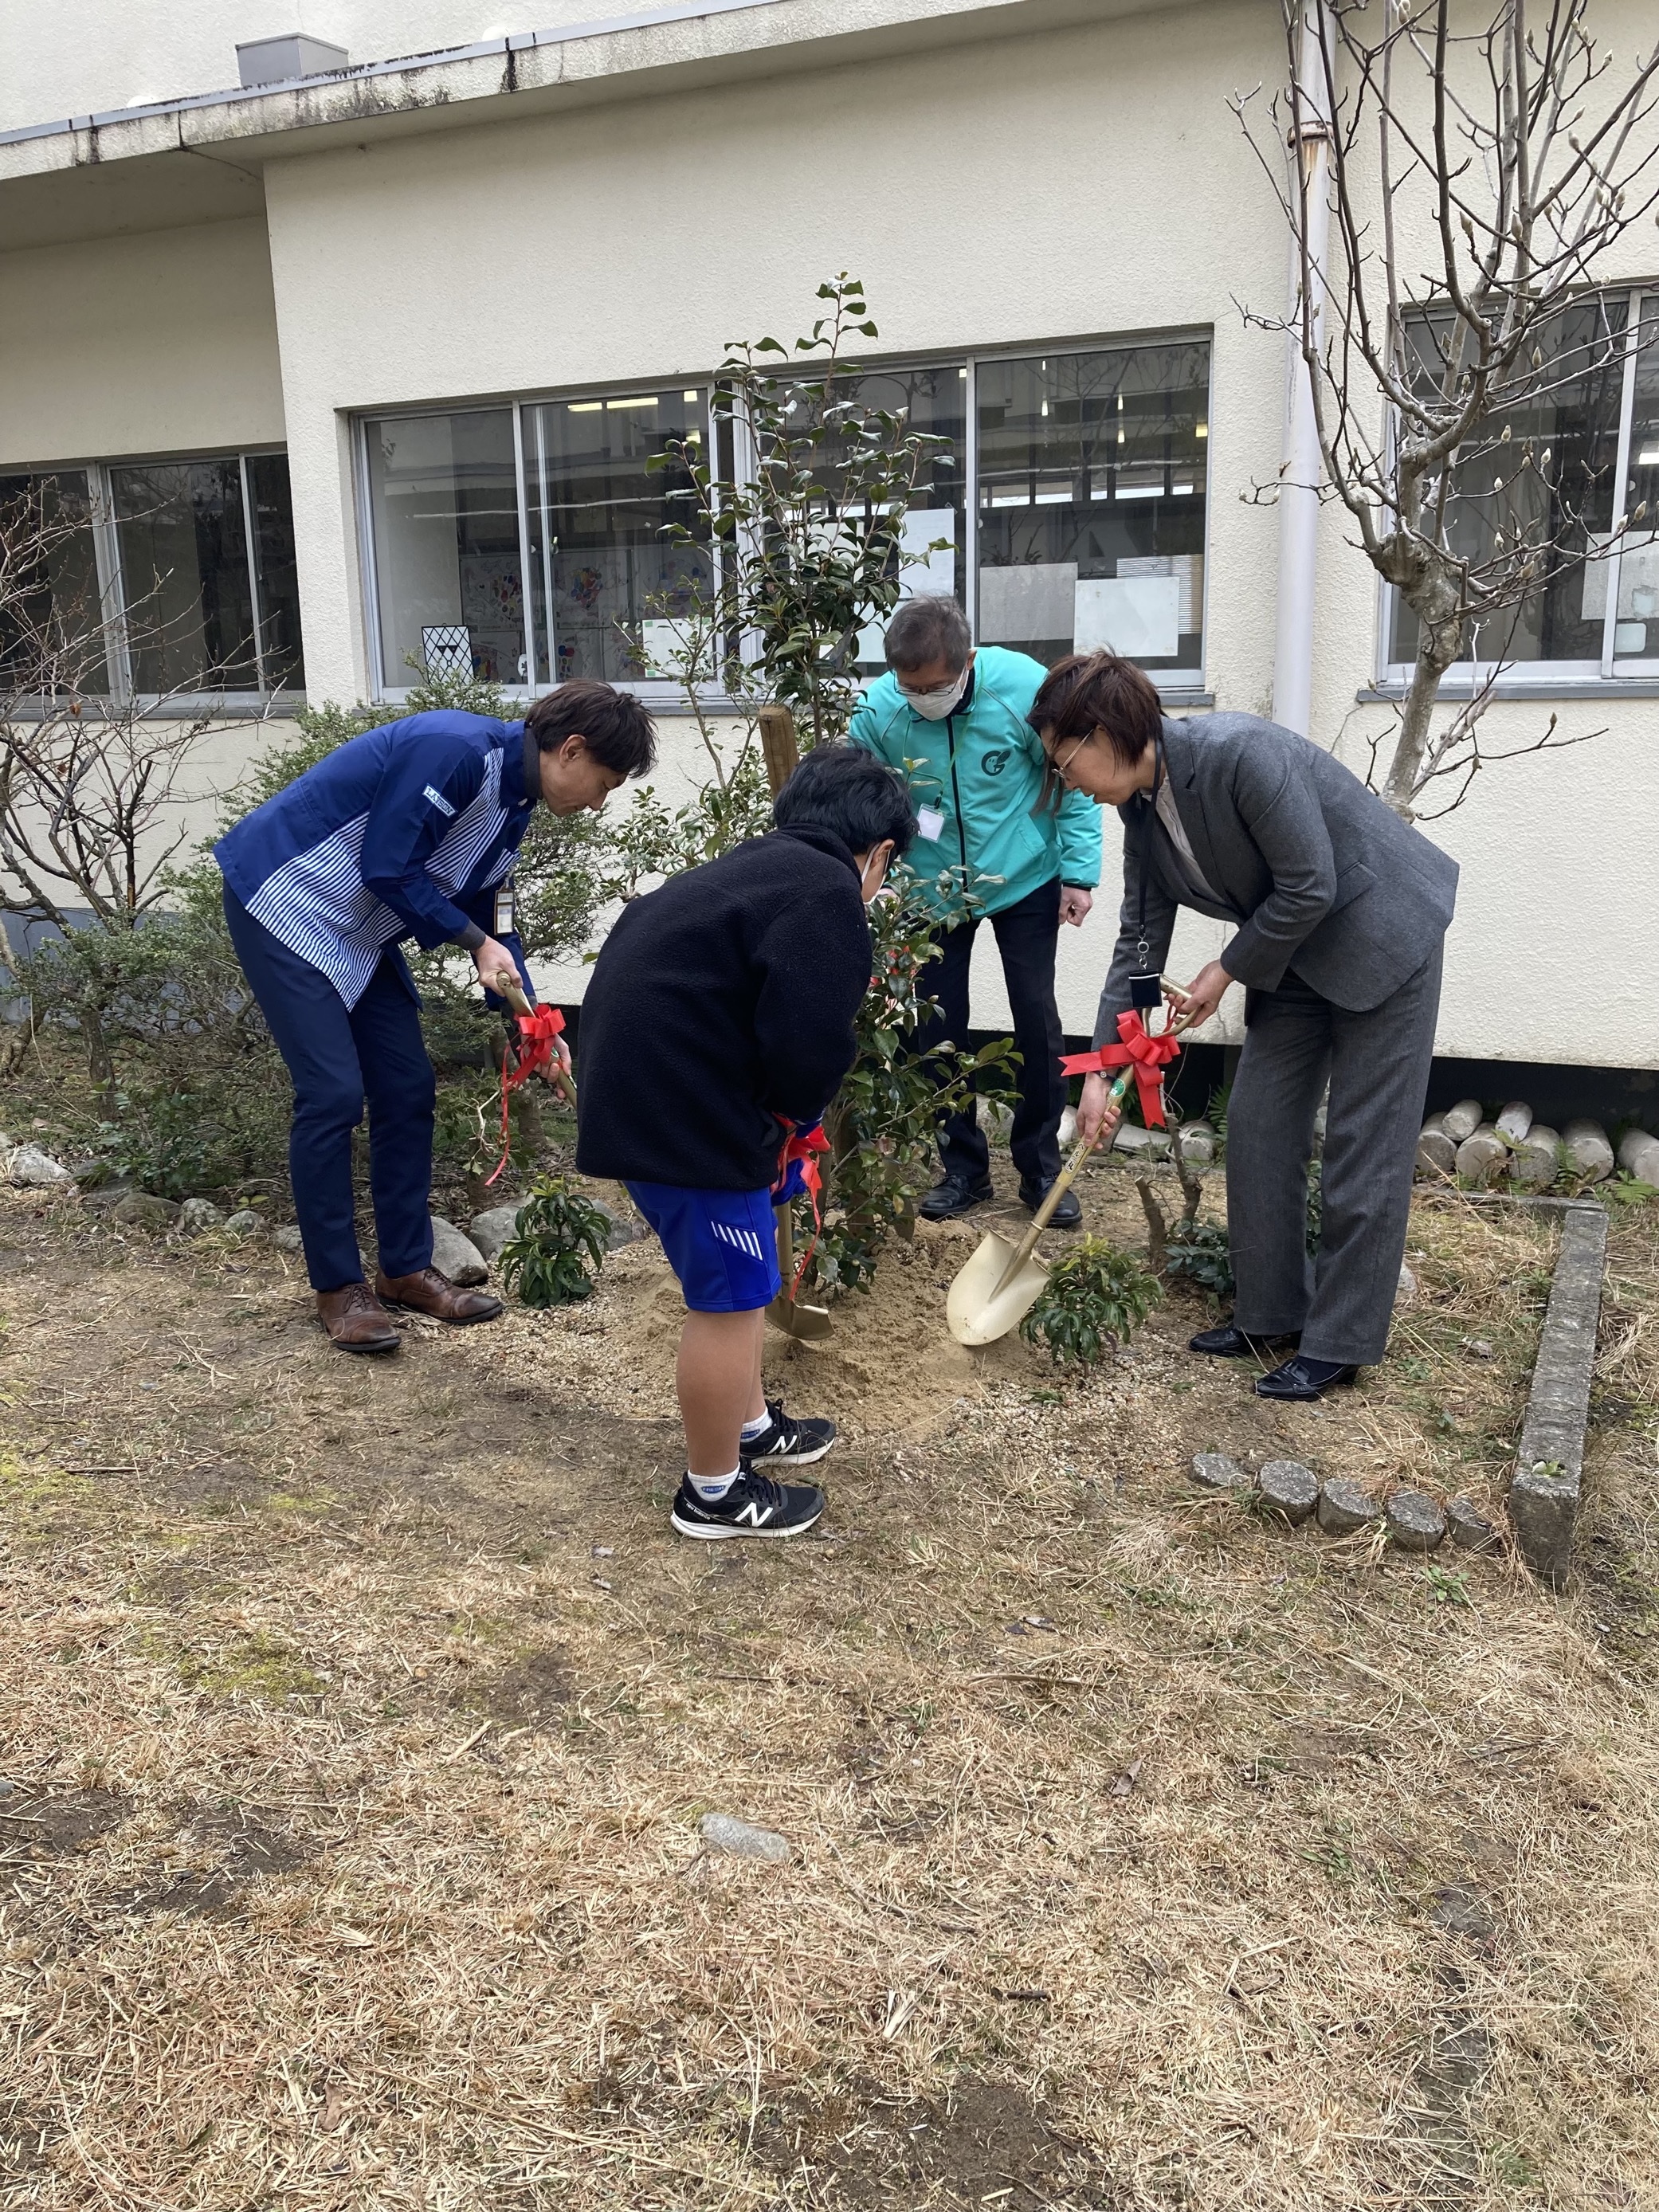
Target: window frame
[1178, 686]
[1612, 671]
[112, 582]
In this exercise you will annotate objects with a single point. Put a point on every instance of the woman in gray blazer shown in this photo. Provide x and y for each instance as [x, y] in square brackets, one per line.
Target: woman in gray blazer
[1341, 910]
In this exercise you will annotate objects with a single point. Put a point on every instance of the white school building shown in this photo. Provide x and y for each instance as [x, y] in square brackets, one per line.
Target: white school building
[358, 323]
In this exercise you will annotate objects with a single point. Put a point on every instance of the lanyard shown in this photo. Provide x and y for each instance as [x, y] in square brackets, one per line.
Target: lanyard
[1142, 949]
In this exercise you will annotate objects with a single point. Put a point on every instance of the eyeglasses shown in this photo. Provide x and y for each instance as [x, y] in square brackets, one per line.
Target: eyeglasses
[1059, 766]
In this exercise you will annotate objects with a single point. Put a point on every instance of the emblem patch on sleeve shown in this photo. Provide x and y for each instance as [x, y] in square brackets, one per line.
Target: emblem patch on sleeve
[439, 801]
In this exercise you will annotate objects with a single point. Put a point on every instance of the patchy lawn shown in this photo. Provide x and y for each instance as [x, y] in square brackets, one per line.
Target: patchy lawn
[359, 1717]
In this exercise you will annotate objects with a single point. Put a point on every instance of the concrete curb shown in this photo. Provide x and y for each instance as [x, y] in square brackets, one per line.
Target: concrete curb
[1544, 1494]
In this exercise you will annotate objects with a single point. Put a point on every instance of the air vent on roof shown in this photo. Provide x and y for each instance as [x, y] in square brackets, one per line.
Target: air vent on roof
[276, 61]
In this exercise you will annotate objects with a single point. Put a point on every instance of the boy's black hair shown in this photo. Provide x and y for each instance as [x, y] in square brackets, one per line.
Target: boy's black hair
[842, 789]
[613, 725]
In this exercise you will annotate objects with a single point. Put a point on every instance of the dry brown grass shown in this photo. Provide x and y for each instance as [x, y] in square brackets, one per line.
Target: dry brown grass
[1145, 1855]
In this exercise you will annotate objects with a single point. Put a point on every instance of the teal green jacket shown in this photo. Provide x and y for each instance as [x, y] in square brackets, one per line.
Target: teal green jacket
[982, 769]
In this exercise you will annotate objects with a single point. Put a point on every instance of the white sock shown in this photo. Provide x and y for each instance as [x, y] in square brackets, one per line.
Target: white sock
[757, 1427]
[711, 1488]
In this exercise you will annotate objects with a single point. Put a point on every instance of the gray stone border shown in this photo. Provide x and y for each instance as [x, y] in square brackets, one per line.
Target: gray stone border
[1544, 1494]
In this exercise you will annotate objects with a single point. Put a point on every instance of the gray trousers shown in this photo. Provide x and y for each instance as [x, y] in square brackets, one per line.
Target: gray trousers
[1377, 1064]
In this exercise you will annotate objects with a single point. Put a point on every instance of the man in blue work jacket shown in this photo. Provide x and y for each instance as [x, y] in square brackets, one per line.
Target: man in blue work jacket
[954, 720]
[410, 830]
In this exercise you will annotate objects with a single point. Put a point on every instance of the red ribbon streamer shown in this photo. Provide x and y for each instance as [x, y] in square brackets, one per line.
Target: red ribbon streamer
[1148, 1056]
[804, 1145]
[534, 1049]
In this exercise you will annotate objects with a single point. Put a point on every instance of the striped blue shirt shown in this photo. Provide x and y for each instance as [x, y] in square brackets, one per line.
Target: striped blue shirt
[404, 831]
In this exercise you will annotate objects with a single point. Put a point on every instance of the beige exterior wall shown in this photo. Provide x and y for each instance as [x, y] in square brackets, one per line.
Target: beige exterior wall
[1023, 191]
[162, 344]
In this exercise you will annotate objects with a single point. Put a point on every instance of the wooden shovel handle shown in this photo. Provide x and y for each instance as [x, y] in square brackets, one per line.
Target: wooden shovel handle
[561, 1077]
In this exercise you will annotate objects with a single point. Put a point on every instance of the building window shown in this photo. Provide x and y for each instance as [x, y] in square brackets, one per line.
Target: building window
[52, 620]
[1091, 479]
[206, 554]
[444, 503]
[605, 478]
[1064, 503]
[1596, 613]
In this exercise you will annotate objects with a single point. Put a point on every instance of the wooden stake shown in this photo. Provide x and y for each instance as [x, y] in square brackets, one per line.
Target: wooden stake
[779, 746]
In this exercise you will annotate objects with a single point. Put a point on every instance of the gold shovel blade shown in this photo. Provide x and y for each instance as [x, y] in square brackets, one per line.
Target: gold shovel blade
[809, 1322]
[981, 1305]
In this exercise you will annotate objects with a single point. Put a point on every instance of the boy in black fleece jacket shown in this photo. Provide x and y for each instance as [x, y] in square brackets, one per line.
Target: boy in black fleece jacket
[719, 1020]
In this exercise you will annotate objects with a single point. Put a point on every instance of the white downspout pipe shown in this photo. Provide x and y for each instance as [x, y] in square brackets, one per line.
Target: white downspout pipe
[1300, 477]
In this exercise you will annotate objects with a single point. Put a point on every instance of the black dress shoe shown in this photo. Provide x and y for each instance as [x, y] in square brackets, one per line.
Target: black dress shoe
[1066, 1215]
[949, 1198]
[1229, 1343]
[1303, 1378]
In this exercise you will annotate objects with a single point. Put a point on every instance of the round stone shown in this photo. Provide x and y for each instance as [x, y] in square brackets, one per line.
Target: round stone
[1416, 1522]
[1469, 1527]
[1346, 1505]
[1289, 1488]
[1462, 1120]
[1215, 1471]
[1436, 1152]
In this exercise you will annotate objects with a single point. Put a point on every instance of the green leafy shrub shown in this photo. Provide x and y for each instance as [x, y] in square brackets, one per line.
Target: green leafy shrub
[1198, 1250]
[1096, 1298]
[557, 1234]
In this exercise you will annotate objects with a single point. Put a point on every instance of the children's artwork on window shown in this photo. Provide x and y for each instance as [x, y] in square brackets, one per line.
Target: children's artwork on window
[446, 648]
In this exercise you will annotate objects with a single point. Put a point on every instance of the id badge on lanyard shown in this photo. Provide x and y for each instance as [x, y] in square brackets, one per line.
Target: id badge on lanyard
[1146, 988]
[503, 909]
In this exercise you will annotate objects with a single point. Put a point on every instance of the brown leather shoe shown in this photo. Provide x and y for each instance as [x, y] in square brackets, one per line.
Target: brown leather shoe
[355, 1319]
[430, 1292]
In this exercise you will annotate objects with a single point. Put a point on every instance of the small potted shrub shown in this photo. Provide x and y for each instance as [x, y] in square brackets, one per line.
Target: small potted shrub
[558, 1234]
[1096, 1298]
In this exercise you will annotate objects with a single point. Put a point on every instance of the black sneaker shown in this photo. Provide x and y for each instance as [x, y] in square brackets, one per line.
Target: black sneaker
[754, 1506]
[949, 1198]
[1068, 1214]
[786, 1441]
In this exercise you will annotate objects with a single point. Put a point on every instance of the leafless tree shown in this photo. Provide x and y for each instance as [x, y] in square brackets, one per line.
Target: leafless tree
[1472, 164]
[93, 786]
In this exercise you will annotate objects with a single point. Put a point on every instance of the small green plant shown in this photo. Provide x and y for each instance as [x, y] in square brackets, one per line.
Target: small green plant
[1198, 1250]
[1448, 1586]
[557, 1234]
[1096, 1298]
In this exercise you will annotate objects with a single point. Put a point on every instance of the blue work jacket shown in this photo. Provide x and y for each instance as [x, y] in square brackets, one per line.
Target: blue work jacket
[405, 831]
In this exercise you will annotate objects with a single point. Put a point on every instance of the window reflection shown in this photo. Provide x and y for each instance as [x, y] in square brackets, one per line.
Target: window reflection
[1092, 471]
[606, 585]
[443, 491]
[51, 636]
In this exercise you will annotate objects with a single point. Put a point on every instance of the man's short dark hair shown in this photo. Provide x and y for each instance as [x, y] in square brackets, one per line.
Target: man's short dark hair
[842, 789]
[613, 725]
[930, 628]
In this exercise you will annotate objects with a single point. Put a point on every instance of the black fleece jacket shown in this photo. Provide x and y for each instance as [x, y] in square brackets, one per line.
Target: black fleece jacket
[718, 1003]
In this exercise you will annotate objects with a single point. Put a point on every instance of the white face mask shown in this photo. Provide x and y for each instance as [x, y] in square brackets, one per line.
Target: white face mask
[934, 706]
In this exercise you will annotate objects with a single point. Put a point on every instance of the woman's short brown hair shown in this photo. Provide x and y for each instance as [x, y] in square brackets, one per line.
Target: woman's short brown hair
[1090, 691]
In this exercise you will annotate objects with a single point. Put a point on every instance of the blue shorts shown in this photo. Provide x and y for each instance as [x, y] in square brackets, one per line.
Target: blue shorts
[722, 1245]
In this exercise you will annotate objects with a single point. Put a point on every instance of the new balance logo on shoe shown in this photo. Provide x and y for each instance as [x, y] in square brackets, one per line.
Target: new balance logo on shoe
[754, 1506]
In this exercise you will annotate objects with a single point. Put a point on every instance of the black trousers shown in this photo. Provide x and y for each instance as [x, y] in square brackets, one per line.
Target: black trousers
[1025, 934]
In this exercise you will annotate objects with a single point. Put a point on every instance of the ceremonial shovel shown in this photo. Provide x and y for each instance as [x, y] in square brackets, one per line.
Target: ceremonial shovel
[561, 1077]
[1001, 1283]
[785, 1312]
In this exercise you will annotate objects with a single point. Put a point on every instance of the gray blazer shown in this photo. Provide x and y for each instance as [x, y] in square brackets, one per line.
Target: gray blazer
[1324, 878]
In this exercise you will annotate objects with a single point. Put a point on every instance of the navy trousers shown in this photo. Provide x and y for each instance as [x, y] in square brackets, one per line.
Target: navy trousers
[1026, 933]
[336, 1060]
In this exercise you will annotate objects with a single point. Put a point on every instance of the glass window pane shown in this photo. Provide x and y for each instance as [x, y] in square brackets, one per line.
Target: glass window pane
[184, 575]
[1092, 484]
[278, 577]
[1637, 635]
[51, 637]
[1568, 507]
[606, 584]
[443, 492]
[935, 402]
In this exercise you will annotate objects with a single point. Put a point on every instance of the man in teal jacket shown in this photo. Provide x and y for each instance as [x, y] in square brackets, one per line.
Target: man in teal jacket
[953, 719]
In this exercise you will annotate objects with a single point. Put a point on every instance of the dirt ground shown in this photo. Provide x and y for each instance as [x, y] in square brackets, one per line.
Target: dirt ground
[358, 1717]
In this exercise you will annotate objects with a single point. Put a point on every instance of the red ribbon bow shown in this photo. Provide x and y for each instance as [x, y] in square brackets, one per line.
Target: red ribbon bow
[534, 1049]
[804, 1145]
[1148, 1056]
